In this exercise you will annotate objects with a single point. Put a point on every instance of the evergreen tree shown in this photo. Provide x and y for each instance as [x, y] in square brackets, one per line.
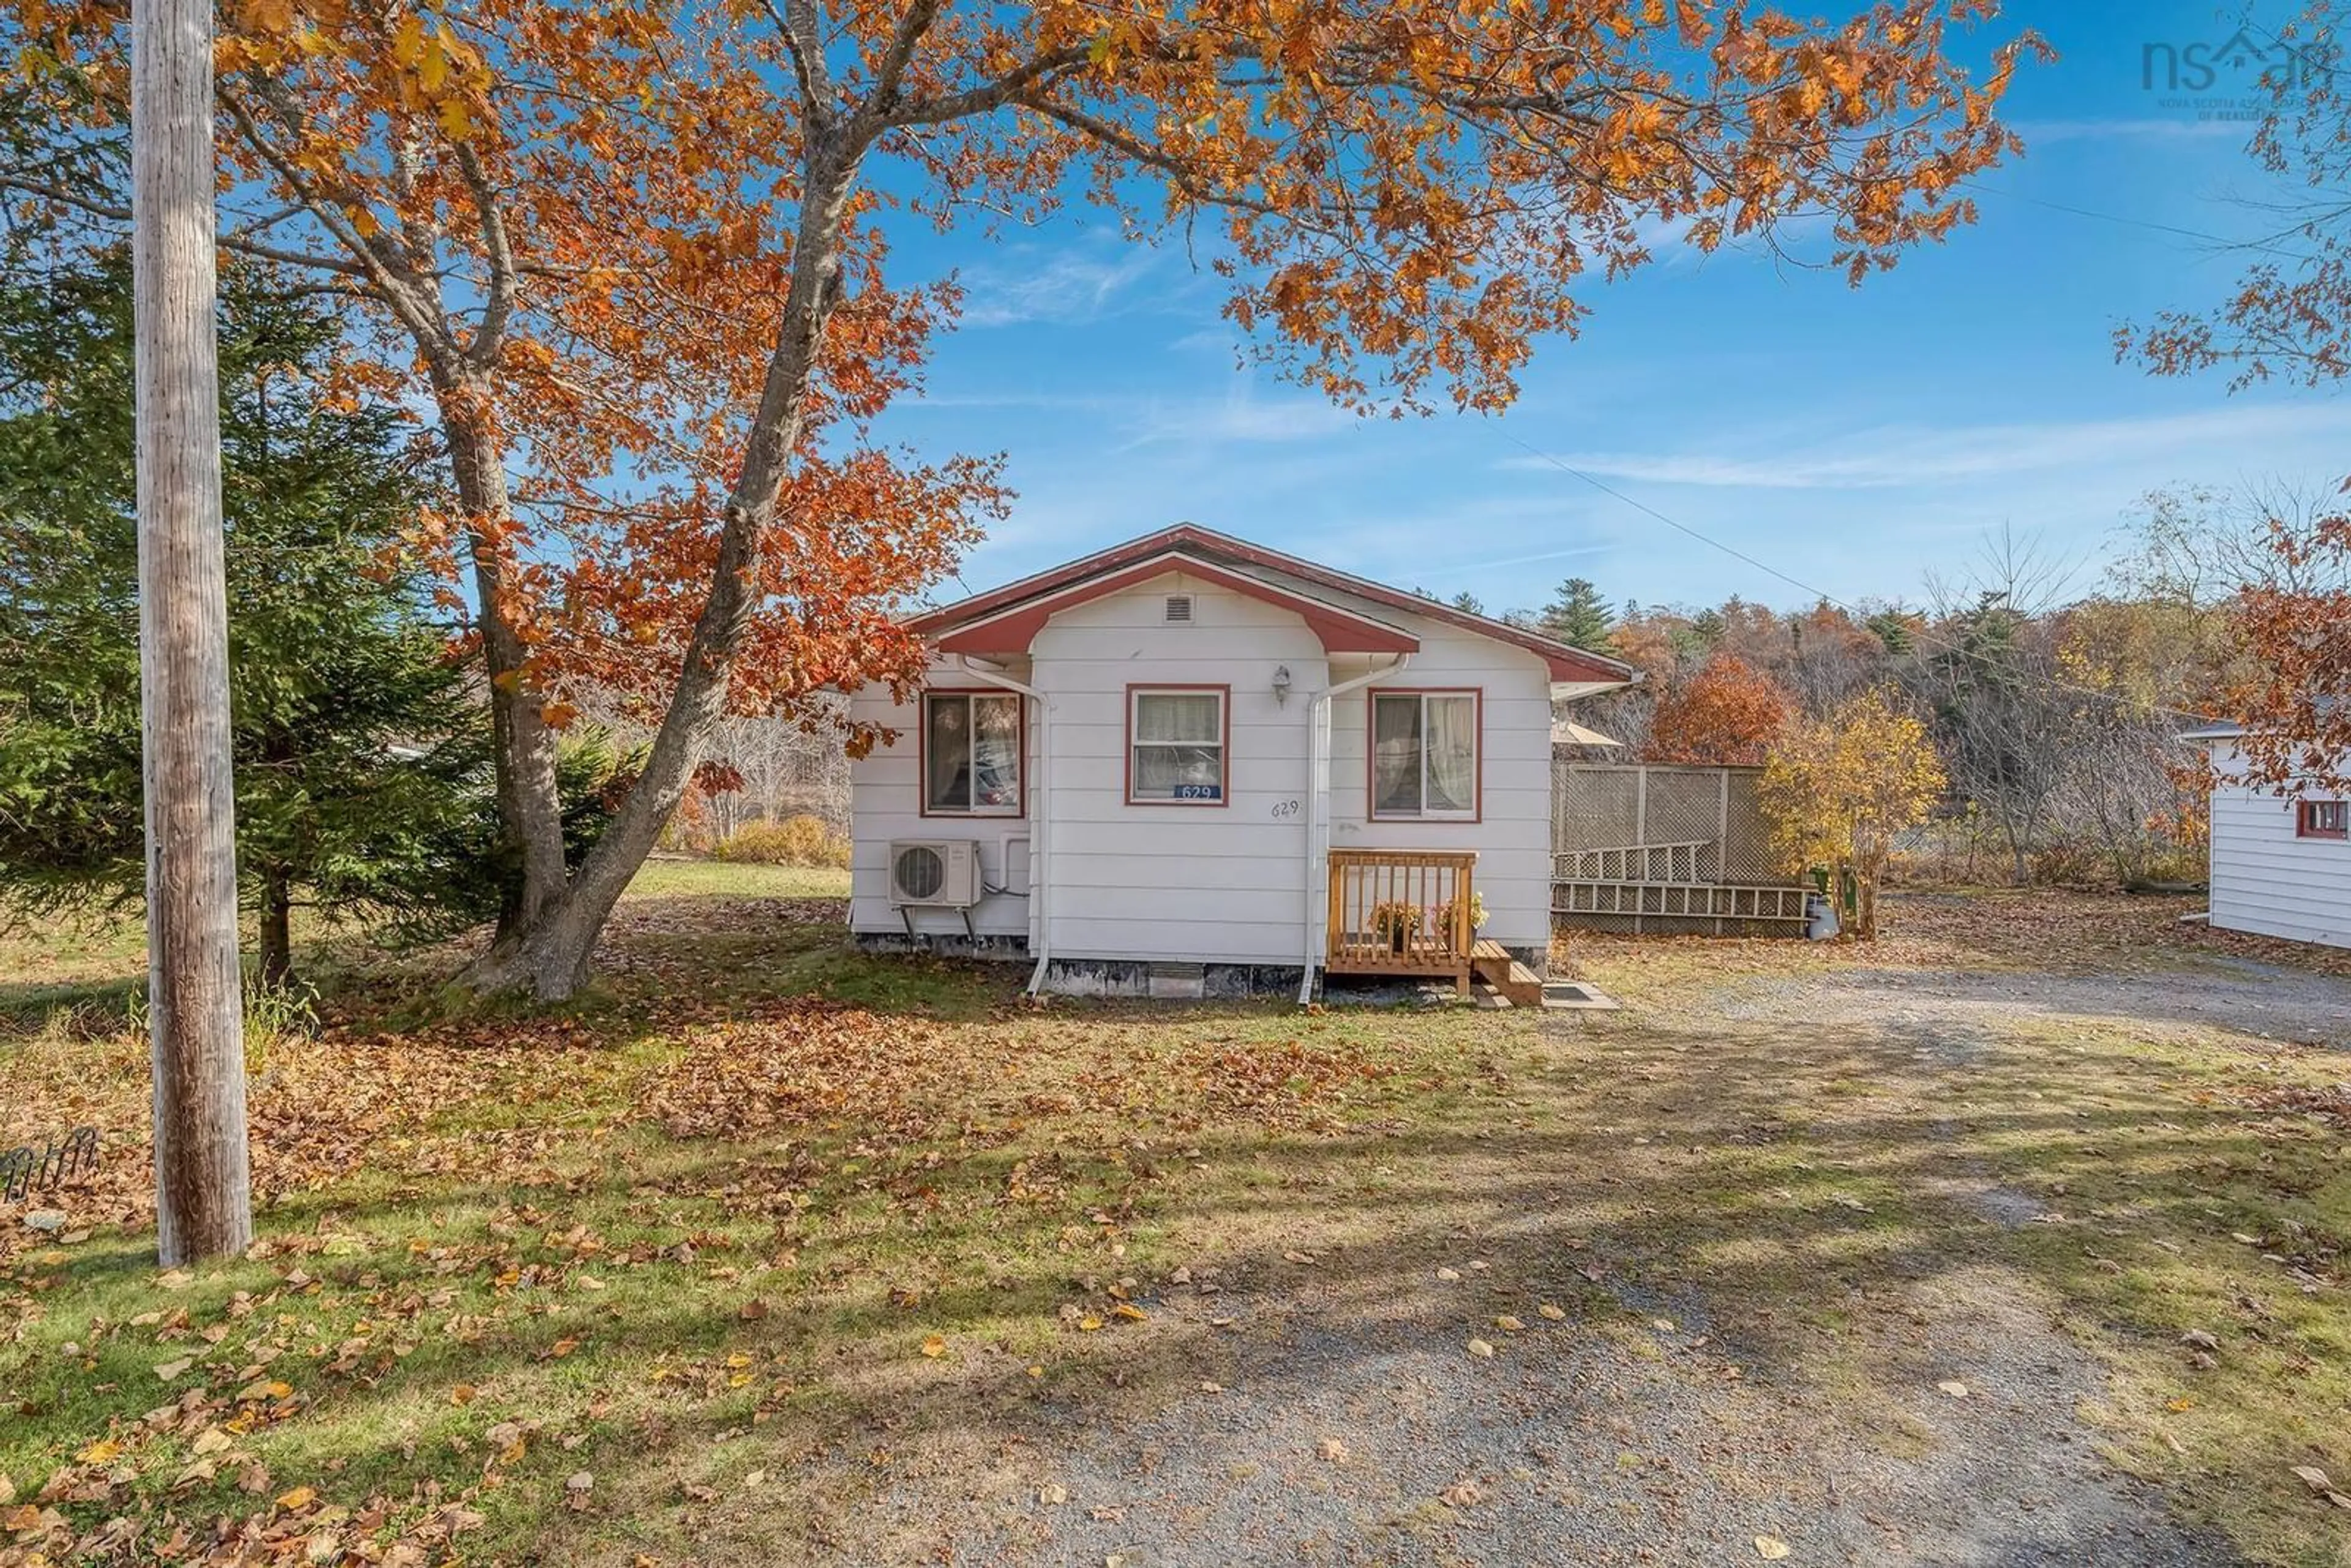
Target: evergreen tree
[1578, 616]
[360, 749]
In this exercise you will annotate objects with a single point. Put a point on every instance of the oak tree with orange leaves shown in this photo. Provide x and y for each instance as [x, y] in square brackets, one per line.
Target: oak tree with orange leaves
[2293, 693]
[2288, 317]
[1727, 714]
[1402, 199]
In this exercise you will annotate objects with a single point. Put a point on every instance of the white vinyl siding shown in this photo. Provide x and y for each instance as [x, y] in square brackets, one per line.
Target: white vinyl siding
[886, 793]
[1143, 881]
[1143, 878]
[1512, 836]
[2268, 878]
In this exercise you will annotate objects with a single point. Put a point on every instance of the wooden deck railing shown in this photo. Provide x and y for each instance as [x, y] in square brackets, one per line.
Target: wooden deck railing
[1401, 912]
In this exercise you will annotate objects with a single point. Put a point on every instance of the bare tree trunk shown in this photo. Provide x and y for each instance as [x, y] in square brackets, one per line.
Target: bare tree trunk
[550, 958]
[277, 929]
[531, 807]
[203, 1202]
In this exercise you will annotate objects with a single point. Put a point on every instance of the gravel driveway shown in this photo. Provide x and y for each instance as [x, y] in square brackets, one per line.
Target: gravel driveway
[1329, 1406]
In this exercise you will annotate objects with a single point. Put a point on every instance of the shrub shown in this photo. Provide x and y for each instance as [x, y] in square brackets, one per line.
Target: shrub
[795, 840]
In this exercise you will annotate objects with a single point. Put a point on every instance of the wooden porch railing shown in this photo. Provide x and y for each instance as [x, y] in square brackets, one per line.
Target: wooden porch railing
[1401, 912]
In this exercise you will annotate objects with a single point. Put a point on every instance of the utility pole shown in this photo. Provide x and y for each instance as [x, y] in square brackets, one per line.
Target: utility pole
[203, 1189]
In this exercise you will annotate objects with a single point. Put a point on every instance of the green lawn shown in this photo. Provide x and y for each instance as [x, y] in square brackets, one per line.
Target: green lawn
[99, 963]
[542, 1286]
[678, 878]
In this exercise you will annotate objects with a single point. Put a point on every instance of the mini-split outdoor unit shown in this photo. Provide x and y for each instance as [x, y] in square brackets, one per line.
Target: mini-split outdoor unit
[933, 874]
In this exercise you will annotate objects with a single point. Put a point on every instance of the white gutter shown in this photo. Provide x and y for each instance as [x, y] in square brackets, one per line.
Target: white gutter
[1039, 833]
[1318, 809]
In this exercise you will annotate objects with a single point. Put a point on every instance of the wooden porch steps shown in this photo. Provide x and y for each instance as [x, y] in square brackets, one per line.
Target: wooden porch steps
[1493, 964]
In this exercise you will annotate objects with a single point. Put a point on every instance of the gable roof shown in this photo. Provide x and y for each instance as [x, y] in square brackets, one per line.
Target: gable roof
[1004, 619]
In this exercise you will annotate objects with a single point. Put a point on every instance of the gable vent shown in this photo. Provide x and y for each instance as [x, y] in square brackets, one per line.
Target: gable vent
[1179, 610]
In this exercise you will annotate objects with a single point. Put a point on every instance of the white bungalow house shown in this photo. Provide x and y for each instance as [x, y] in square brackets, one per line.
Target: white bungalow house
[1189, 765]
[2281, 864]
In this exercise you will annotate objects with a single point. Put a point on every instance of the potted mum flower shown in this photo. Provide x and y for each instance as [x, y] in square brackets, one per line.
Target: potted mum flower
[1393, 922]
[1476, 913]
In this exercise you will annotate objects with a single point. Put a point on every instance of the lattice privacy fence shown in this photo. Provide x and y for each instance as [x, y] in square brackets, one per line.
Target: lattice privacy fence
[1640, 848]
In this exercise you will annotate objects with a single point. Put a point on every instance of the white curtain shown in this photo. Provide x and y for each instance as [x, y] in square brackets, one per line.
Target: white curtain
[946, 753]
[1177, 716]
[1179, 744]
[1452, 750]
[996, 753]
[1396, 755]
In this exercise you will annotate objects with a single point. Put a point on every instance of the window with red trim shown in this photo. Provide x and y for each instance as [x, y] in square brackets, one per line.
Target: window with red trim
[971, 754]
[1175, 746]
[2322, 820]
[1424, 759]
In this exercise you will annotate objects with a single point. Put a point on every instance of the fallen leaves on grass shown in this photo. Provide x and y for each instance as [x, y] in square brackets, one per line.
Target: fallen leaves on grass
[809, 1062]
[1286, 1085]
[327, 1105]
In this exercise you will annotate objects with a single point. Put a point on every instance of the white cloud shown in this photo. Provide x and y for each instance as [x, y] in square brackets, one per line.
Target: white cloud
[2147, 128]
[1893, 456]
[1060, 285]
[1240, 417]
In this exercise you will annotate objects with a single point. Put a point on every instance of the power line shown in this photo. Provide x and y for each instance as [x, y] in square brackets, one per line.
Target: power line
[1825, 597]
[2199, 234]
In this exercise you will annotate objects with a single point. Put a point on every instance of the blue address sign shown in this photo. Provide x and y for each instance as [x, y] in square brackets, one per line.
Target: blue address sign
[1199, 792]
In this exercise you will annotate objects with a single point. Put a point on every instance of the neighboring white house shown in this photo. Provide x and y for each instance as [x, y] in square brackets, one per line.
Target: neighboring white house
[1148, 772]
[2281, 864]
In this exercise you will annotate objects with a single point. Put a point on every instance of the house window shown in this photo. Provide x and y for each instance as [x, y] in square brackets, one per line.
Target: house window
[1424, 755]
[971, 754]
[1177, 746]
[2322, 820]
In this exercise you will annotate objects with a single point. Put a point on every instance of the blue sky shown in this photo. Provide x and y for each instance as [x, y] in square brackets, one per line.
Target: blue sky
[1854, 440]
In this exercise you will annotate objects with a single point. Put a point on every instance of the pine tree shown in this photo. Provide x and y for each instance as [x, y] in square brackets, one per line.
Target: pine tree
[360, 752]
[1578, 616]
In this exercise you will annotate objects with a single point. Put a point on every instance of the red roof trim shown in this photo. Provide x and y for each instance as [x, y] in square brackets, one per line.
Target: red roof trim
[1010, 630]
[1565, 663]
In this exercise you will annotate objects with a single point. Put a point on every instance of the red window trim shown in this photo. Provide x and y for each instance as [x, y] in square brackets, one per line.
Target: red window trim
[923, 806]
[1224, 746]
[1372, 814]
[2305, 820]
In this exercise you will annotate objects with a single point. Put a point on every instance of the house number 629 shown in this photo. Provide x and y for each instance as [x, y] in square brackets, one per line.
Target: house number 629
[1285, 809]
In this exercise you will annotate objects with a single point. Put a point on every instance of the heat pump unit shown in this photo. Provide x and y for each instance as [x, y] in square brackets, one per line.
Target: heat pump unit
[942, 873]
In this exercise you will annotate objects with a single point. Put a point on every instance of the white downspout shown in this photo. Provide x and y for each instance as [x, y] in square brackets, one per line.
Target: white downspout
[1040, 832]
[1318, 810]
